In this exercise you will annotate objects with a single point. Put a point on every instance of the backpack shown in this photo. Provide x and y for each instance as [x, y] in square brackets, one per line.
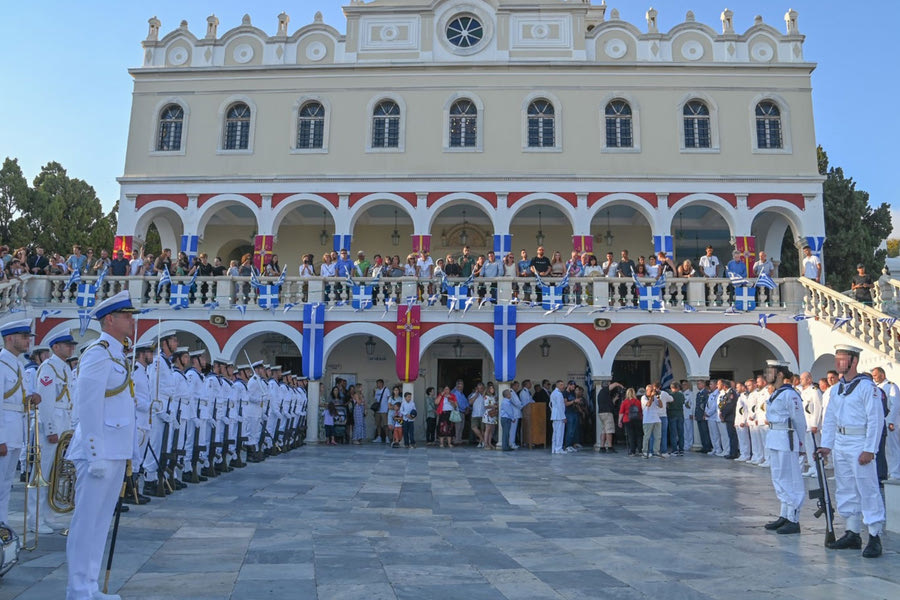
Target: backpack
[634, 412]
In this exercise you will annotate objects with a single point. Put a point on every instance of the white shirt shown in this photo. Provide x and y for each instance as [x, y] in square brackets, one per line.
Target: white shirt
[811, 267]
[860, 408]
[557, 406]
[812, 406]
[382, 395]
[610, 268]
[12, 415]
[406, 409]
[327, 270]
[652, 409]
[893, 399]
[525, 397]
[424, 267]
[53, 380]
[134, 265]
[785, 404]
[477, 402]
[709, 265]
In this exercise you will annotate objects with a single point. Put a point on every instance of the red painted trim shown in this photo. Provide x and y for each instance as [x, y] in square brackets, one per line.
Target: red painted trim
[649, 197]
[408, 196]
[754, 200]
[145, 199]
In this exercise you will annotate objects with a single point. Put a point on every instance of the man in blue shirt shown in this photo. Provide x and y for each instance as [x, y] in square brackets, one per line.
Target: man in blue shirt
[344, 265]
[462, 405]
[508, 405]
[524, 270]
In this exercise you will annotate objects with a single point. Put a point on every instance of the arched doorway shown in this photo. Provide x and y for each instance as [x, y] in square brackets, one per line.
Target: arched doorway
[696, 226]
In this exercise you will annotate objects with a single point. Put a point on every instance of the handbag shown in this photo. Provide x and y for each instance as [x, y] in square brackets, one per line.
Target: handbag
[455, 416]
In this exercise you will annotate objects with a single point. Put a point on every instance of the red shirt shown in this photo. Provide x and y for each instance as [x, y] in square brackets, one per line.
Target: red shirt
[626, 406]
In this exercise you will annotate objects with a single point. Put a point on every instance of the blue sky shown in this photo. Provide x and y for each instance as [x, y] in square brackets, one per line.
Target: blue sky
[67, 92]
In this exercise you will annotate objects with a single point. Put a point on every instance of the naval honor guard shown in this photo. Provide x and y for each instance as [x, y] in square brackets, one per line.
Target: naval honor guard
[787, 427]
[851, 433]
[102, 443]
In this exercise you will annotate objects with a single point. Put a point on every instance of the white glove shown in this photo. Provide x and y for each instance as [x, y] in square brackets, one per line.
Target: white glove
[97, 469]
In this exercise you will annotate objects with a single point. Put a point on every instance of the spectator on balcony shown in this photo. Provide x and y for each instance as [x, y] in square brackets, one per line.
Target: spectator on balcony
[812, 266]
[557, 265]
[17, 268]
[5, 256]
[38, 263]
[395, 269]
[425, 265]
[640, 269]
[763, 266]
[136, 264]
[101, 263]
[182, 265]
[409, 268]
[76, 261]
[523, 268]
[164, 261]
[22, 255]
[466, 262]
[58, 264]
[328, 268]
[510, 269]
[709, 263]
[592, 269]
[490, 269]
[652, 268]
[219, 268]
[307, 269]
[451, 267]
[686, 269]
[203, 269]
[344, 266]
[150, 266]
[736, 267]
[439, 271]
[610, 266]
[245, 270]
[273, 268]
[862, 285]
[361, 266]
[118, 267]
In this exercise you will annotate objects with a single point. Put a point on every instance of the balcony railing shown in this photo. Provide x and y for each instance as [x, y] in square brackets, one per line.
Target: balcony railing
[336, 293]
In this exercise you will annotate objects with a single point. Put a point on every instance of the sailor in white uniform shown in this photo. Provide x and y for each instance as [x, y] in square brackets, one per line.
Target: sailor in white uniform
[102, 443]
[142, 400]
[197, 417]
[257, 393]
[742, 419]
[787, 428]
[891, 421]
[16, 339]
[162, 411]
[851, 433]
[812, 408]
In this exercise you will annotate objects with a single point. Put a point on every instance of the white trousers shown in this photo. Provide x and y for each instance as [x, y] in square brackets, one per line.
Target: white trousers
[559, 433]
[156, 435]
[95, 499]
[788, 483]
[809, 457]
[189, 433]
[714, 437]
[756, 445]
[892, 453]
[513, 425]
[48, 453]
[743, 435]
[723, 436]
[763, 432]
[8, 465]
[856, 494]
[688, 433]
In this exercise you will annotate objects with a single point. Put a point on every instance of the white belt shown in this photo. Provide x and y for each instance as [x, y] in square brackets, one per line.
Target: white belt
[16, 406]
[779, 426]
[852, 430]
[202, 402]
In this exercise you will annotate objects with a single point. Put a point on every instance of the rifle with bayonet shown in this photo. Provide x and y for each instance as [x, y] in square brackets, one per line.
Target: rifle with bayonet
[288, 439]
[213, 444]
[226, 437]
[239, 439]
[196, 448]
[822, 495]
[176, 452]
[162, 482]
[276, 448]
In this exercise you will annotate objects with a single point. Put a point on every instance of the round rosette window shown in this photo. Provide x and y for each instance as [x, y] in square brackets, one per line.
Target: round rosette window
[465, 31]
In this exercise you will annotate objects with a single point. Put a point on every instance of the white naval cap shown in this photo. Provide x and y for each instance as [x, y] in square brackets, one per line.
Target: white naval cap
[847, 348]
[180, 350]
[276, 367]
[167, 334]
[20, 326]
[197, 353]
[120, 302]
[258, 363]
[243, 366]
[777, 363]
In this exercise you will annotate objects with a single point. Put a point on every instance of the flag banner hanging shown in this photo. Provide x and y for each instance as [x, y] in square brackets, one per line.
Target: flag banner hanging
[180, 295]
[663, 243]
[342, 242]
[505, 343]
[86, 295]
[362, 297]
[815, 244]
[189, 245]
[409, 326]
[746, 245]
[262, 250]
[502, 244]
[666, 377]
[583, 243]
[457, 295]
[313, 341]
[267, 296]
[421, 243]
[125, 243]
[764, 281]
[650, 298]
[745, 298]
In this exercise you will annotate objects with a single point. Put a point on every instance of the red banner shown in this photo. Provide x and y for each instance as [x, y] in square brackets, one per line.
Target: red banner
[421, 243]
[746, 245]
[123, 243]
[262, 250]
[582, 243]
[409, 319]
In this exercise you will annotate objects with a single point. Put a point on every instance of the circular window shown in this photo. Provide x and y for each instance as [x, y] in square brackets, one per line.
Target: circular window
[465, 31]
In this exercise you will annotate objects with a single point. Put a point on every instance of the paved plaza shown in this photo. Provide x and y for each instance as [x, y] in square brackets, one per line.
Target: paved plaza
[372, 523]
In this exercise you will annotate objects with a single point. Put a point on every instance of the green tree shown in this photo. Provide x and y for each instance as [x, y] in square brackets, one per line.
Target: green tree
[13, 196]
[853, 229]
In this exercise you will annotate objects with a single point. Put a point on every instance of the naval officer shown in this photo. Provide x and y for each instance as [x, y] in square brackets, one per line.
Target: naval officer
[102, 443]
[852, 431]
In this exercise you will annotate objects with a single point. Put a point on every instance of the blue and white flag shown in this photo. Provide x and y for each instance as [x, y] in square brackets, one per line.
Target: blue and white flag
[840, 322]
[84, 320]
[650, 298]
[282, 277]
[666, 378]
[267, 296]
[815, 244]
[342, 242]
[689, 308]
[164, 279]
[180, 296]
[86, 295]
[189, 244]
[254, 278]
[49, 313]
[764, 281]
[745, 298]
[211, 306]
[504, 343]
[889, 321]
[663, 243]
[738, 280]
[802, 317]
[457, 295]
[362, 297]
[313, 349]
[100, 277]
[551, 297]
[660, 282]
[241, 308]
[289, 306]
[502, 244]
[74, 278]
[763, 320]
[589, 383]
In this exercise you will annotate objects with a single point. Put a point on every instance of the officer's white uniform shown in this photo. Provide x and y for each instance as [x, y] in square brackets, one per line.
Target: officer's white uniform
[688, 421]
[892, 445]
[852, 425]
[784, 404]
[257, 390]
[742, 426]
[185, 411]
[199, 416]
[53, 379]
[142, 400]
[12, 414]
[812, 409]
[275, 417]
[162, 389]
[712, 418]
[762, 404]
[29, 374]
[754, 425]
[102, 443]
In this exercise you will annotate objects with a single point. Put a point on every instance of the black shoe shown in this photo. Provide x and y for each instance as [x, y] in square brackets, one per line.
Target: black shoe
[602, 450]
[206, 472]
[849, 540]
[611, 450]
[873, 548]
[776, 524]
[123, 508]
[789, 527]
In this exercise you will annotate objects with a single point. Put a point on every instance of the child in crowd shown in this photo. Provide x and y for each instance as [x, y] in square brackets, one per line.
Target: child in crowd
[408, 412]
[395, 424]
[328, 421]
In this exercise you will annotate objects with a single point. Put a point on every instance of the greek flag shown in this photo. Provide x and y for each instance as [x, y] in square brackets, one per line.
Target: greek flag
[74, 278]
[289, 306]
[282, 277]
[745, 298]
[552, 295]
[763, 320]
[313, 340]
[764, 281]
[889, 321]
[362, 297]
[663, 243]
[688, 308]
[164, 279]
[254, 278]
[502, 246]
[505, 343]
[100, 277]
[267, 296]
[650, 298]
[49, 313]
[738, 280]
[180, 296]
[666, 378]
[84, 319]
[660, 283]
[840, 322]
[86, 295]
[589, 382]
[211, 306]
[802, 317]
[241, 308]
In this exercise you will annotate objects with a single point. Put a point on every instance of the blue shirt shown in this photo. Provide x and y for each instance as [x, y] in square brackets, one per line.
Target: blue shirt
[344, 267]
[508, 407]
[76, 262]
[524, 266]
[462, 403]
[736, 267]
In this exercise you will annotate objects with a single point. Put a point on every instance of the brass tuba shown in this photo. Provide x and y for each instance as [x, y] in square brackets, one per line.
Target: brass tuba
[37, 481]
[61, 493]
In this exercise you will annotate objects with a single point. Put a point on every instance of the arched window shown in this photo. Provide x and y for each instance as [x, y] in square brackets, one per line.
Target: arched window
[310, 126]
[541, 124]
[619, 131]
[171, 120]
[768, 125]
[463, 124]
[386, 125]
[237, 127]
[696, 125]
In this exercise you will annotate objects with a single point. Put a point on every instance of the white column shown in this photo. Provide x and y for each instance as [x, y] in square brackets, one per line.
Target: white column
[313, 393]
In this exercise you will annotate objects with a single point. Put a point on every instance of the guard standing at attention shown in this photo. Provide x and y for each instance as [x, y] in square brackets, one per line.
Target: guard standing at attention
[851, 432]
[102, 443]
